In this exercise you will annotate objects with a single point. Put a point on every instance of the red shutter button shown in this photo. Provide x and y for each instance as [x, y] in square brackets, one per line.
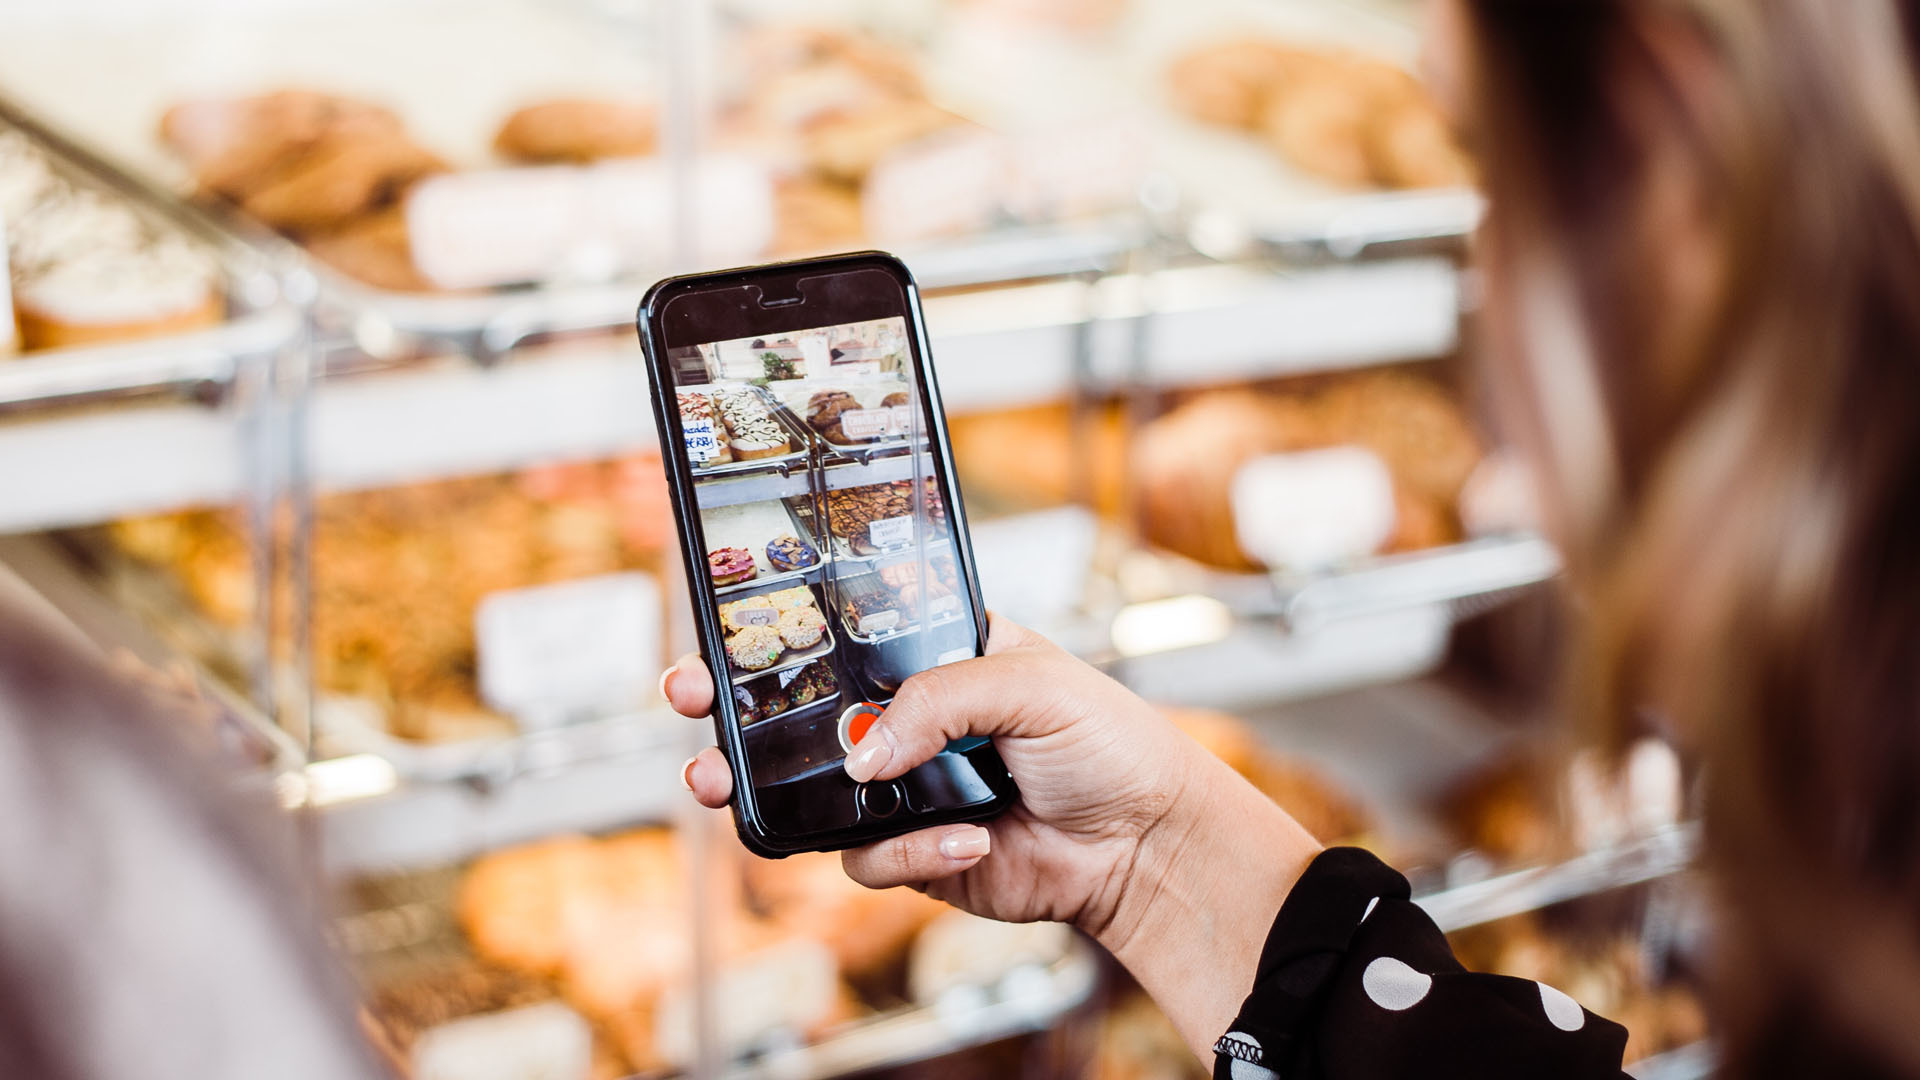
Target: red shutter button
[856, 721]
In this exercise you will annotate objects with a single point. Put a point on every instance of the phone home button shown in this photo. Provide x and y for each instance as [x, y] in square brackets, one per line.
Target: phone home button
[880, 800]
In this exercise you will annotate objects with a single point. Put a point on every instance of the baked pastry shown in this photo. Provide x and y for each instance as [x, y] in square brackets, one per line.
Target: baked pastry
[578, 130]
[815, 682]
[801, 628]
[753, 611]
[697, 406]
[755, 648]
[790, 553]
[751, 428]
[851, 512]
[730, 565]
[761, 699]
[375, 248]
[1346, 117]
[873, 612]
[788, 599]
[87, 270]
[338, 178]
[897, 398]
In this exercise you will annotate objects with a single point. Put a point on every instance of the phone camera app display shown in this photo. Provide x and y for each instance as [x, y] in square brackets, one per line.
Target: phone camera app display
[826, 529]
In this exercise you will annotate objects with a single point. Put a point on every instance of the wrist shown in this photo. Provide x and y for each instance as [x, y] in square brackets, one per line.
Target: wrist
[1200, 894]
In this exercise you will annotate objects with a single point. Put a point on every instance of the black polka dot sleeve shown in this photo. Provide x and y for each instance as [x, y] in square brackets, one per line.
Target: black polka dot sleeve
[1356, 981]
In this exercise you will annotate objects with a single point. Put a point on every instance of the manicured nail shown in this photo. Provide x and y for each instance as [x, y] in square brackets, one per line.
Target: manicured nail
[872, 754]
[963, 844]
[686, 772]
[672, 669]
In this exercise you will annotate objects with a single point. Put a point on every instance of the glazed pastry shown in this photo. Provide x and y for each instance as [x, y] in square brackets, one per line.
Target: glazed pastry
[750, 425]
[338, 178]
[730, 565]
[578, 131]
[755, 648]
[801, 628]
[790, 553]
[898, 397]
[87, 270]
[788, 599]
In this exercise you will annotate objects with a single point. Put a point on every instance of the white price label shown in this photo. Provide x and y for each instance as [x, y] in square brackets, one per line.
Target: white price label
[901, 421]
[953, 656]
[537, 1042]
[551, 649]
[702, 444]
[867, 423]
[792, 673]
[758, 611]
[891, 532]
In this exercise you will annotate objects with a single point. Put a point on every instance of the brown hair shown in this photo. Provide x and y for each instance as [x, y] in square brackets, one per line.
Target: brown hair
[1736, 474]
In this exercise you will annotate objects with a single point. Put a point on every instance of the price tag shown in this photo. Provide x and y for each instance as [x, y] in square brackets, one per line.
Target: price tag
[755, 611]
[537, 1042]
[551, 649]
[954, 656]
[901, 421]
[867, 423]
[792, 673]
[701, 443]
[891, 532]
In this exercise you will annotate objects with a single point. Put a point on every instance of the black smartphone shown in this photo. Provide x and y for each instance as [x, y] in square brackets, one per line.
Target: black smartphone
[824, 537]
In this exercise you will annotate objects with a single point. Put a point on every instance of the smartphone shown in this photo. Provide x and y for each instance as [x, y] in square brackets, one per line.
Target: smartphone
[824, 537]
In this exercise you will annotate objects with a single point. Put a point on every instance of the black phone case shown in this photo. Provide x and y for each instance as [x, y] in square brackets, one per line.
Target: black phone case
[748, 816]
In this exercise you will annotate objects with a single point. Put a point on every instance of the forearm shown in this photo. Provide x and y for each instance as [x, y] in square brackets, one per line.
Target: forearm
[1201, 896]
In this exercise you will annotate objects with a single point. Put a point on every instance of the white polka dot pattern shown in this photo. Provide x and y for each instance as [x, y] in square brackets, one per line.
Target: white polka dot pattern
[1393, 985]
[1564, 1012]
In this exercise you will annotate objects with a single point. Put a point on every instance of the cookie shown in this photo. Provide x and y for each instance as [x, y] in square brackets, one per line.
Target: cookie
[788, 599]
[755, 648]
[801, 628]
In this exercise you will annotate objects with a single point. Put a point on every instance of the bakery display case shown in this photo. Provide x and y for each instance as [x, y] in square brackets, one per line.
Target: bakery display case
[1191, 271]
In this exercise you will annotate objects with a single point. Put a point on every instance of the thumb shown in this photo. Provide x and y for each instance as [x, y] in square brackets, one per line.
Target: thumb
[982, 697]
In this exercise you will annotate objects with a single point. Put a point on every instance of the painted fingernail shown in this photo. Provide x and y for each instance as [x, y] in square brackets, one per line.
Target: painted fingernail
[966, 844]
[672, 670]
[686, 772]
[872, 754]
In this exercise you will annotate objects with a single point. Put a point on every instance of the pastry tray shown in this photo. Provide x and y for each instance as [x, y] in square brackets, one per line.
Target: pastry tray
[868, 390]
[790, 658]
[843, 548]
[406, 58]
[784, 464]
[750, 526]
[869, 582]
[257, 322]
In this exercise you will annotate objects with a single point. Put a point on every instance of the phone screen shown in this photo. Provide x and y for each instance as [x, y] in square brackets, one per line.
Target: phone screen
[822, 504]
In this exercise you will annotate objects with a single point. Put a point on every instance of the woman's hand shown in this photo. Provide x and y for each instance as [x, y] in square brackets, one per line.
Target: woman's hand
[1125, 827]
